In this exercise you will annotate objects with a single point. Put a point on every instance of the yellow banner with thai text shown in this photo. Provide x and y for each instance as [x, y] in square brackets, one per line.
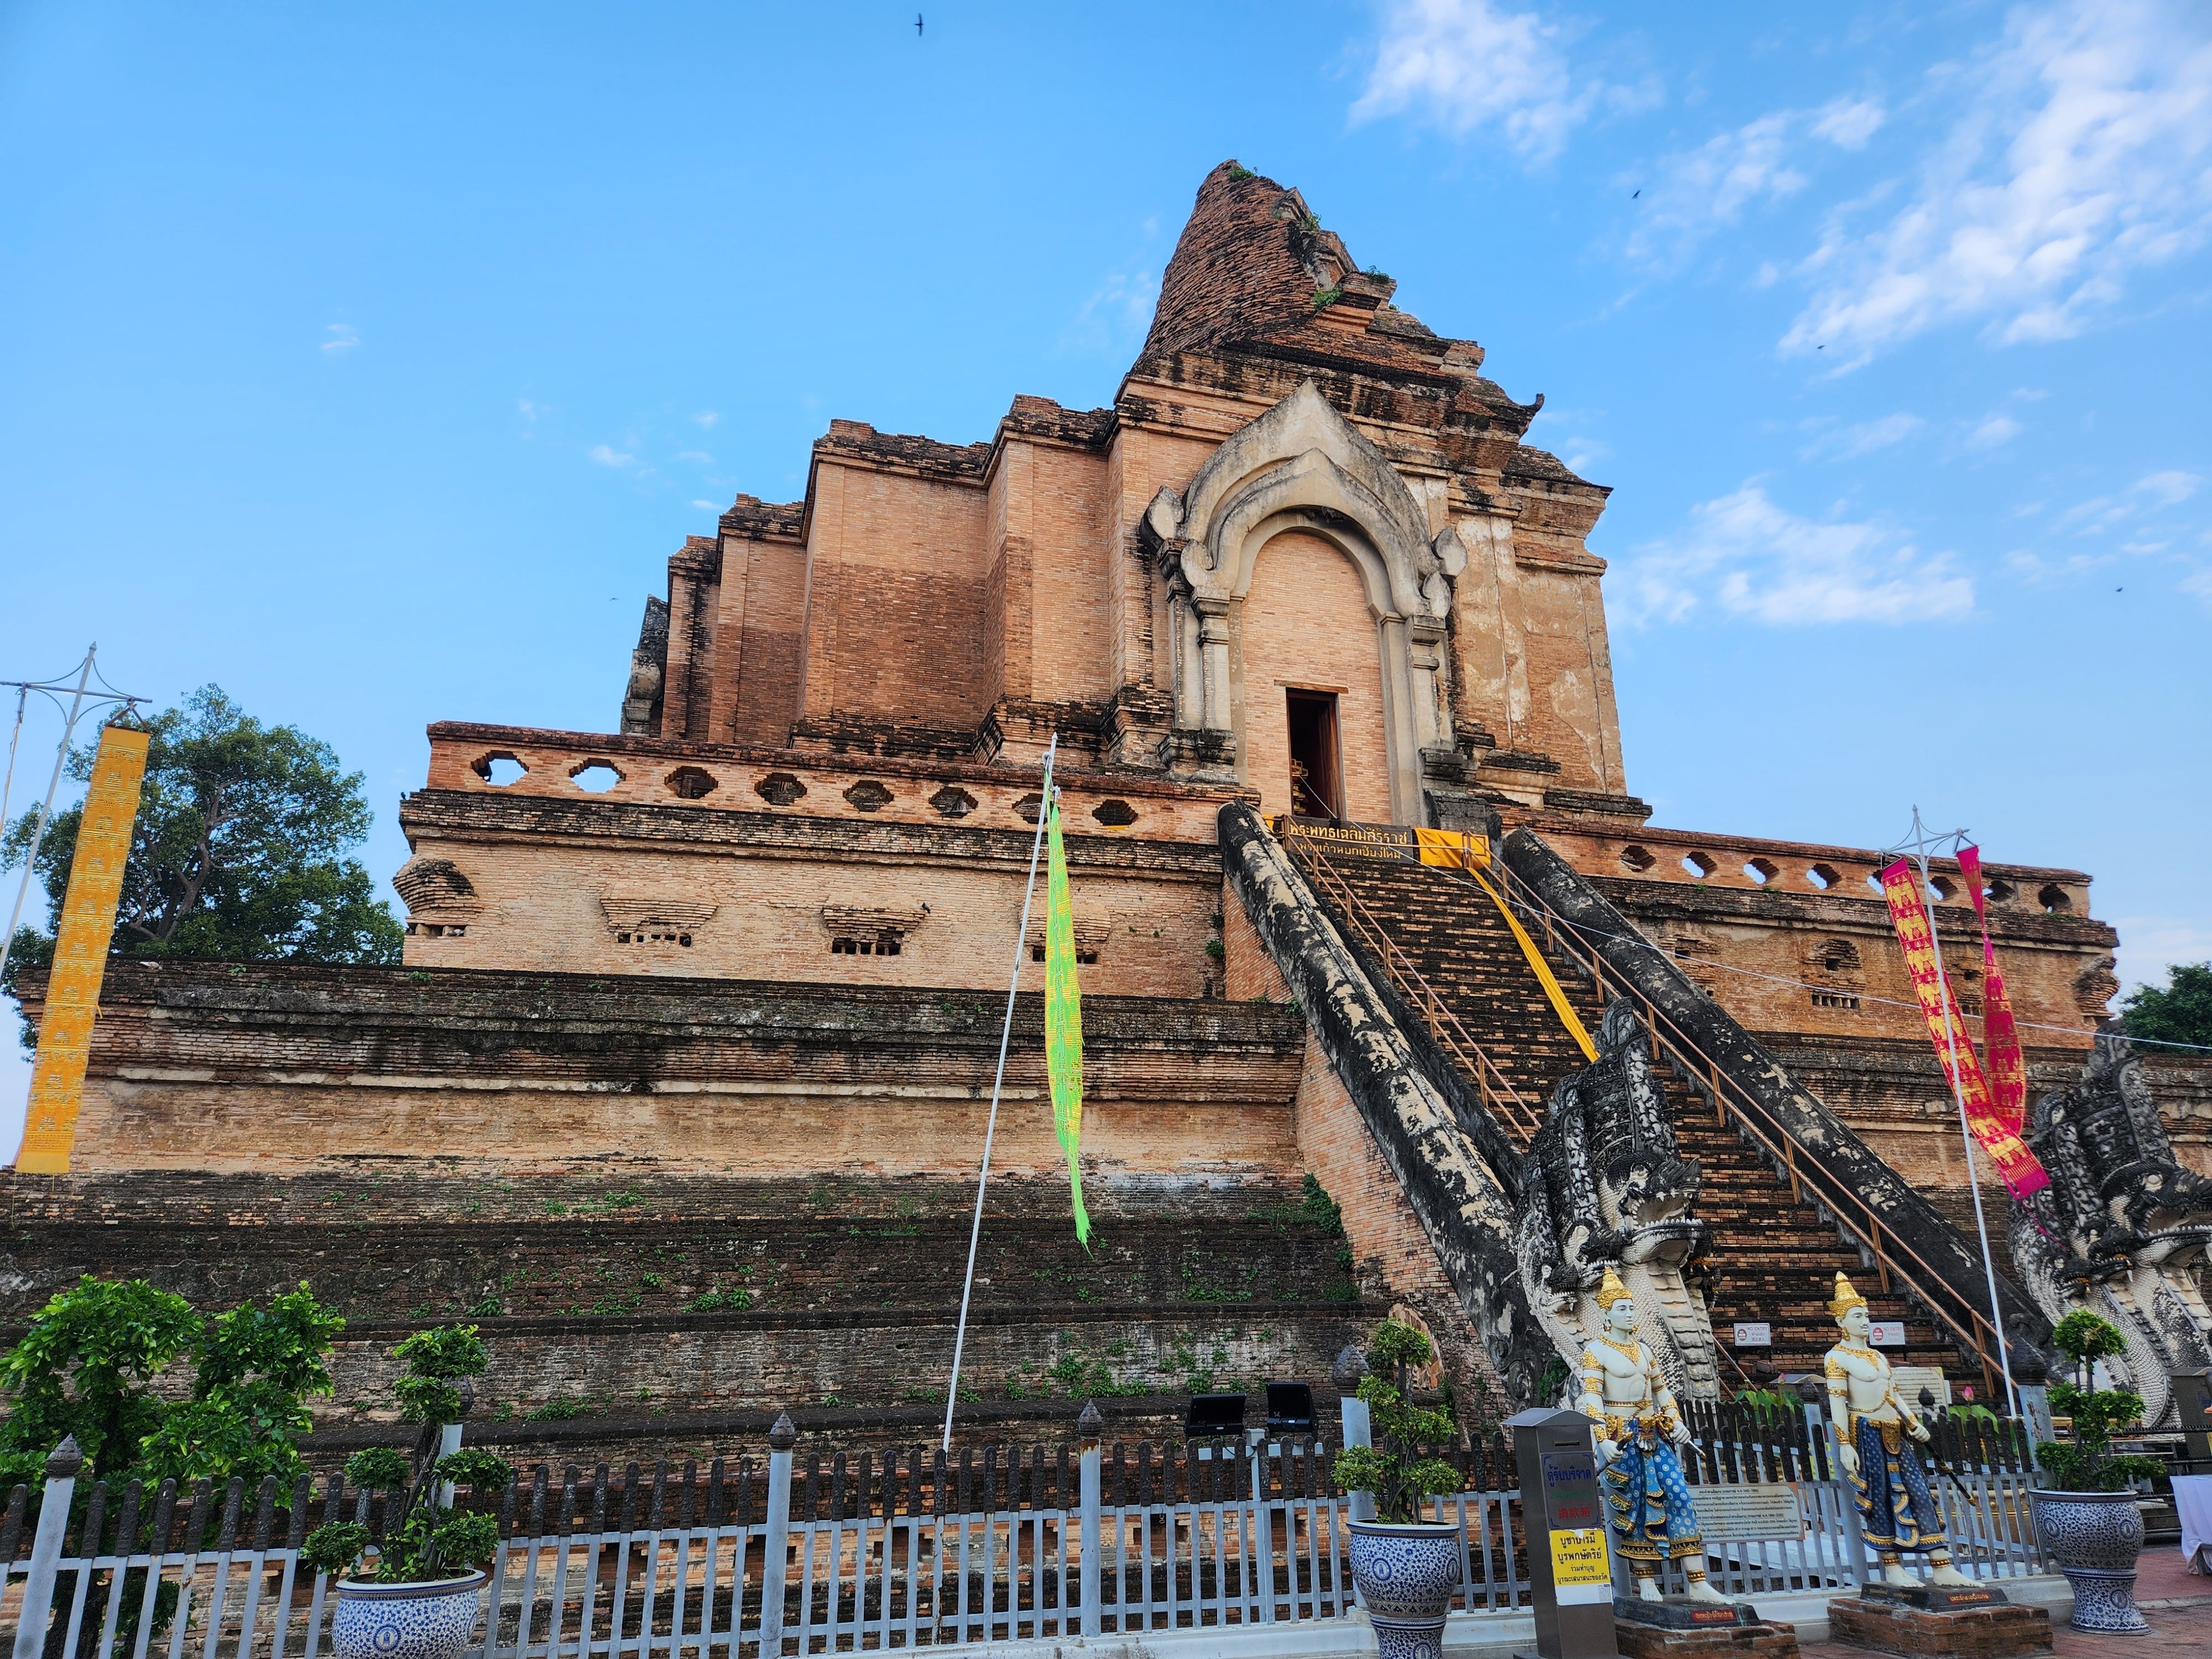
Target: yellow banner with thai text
[95, 887]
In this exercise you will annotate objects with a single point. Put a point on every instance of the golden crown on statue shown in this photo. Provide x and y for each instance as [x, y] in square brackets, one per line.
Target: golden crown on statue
[1610, 1290]
[1846, 1298]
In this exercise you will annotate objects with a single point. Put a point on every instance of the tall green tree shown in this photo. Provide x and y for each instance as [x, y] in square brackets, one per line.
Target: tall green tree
[239, 849]
[2178, 1012]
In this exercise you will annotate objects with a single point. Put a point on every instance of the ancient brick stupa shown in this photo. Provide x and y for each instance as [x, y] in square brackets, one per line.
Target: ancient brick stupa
[680, 1092]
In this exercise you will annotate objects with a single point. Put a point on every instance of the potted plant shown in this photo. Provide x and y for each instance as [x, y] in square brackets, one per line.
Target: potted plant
[419, 1599]
[2088, 1519]
[1405, 1568]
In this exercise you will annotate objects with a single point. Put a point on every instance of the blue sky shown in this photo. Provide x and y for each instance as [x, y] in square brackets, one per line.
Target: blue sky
[370, 361]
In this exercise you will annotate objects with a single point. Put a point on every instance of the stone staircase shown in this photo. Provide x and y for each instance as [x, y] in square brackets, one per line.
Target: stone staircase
[1772, 1259]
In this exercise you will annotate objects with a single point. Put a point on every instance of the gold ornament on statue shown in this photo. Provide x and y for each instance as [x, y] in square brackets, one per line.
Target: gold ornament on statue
[1610, 1290]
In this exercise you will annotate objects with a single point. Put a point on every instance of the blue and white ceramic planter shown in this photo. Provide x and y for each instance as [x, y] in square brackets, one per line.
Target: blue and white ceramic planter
[2093, 1538]
[1406, 1573]
[432, 1620]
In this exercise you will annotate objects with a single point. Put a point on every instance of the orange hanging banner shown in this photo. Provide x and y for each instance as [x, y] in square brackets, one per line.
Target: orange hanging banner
[95, 887]
[2000, 1032]
[1946, 1027]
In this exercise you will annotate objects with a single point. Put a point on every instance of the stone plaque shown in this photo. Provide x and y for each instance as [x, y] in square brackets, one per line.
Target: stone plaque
[1910, 1379]
[1886, 1333]
[1755, 1334]
[1749, 1510]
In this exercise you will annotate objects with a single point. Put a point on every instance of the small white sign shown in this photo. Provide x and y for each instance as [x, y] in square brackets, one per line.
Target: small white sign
[1886, 1333]
[1758, 1333]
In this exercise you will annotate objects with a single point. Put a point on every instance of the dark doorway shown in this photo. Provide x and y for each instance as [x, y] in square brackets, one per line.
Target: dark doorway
[1317, 781]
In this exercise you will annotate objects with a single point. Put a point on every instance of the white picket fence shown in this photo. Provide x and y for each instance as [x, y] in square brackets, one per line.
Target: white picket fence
[1242, 1542]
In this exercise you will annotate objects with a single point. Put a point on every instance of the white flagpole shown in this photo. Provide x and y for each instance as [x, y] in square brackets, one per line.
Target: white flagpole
[1951, 1021]
[991, 1126]
[47, 807]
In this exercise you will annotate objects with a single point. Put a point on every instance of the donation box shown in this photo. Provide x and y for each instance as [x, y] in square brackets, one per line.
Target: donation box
[1570, 1567]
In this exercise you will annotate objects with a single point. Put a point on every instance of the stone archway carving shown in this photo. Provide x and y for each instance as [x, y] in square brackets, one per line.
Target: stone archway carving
[1301, 466]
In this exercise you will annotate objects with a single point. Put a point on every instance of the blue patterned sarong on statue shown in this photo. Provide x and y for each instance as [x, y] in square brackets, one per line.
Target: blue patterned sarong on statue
[1897, 1511]
[1653, 1518]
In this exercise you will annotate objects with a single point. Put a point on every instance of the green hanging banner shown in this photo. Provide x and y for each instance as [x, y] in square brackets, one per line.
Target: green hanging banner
[1063, 1017]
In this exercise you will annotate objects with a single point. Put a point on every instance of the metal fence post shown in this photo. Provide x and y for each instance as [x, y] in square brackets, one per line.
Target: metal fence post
[46, 1548]
[2035, 1409]
[775, 1534]
[1823, 1428]
[1088, 1428]
[1352, 1366]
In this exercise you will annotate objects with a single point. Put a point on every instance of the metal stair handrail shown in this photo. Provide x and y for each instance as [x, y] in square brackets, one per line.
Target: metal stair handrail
[1518, 1116]
[1851, 1213]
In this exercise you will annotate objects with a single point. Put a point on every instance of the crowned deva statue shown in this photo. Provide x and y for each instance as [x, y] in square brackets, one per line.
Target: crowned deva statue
[1637, 1430]
[1875, 1436]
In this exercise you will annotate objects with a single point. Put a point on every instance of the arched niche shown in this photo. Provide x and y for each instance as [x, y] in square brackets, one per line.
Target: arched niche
[1301, 466]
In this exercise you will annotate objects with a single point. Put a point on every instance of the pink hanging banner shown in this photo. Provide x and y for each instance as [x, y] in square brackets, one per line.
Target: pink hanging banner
[2000, 1034]
[2024, 1174]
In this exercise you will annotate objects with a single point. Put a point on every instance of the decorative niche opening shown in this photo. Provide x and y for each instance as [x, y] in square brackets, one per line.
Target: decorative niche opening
[2055, 900]
[779, 789]
[866, 931]
[638, 918]
[1114, 814]
[1700, 864]
[1824, 876]
[1836, 957]
[1636, 858]
[1762, 871]
[594, 777]
[692, 783]
[1030, 808]
[869, 796]
[2002, 892]
[1090, 938]
[499, 768]
[951, 802]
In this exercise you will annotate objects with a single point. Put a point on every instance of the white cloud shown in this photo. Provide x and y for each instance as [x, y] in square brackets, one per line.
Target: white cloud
[1693, 193]
[698, 456]
[1997, 430]
[1461, 64]
[2197, 584]
[2168, 488]
[707, 507]
[1115, 315]
[607, 455]
[1747, 558]
[707, 417]
[1842, 443]
[2146, 495]
[342, 338]
[2078, 159]
[1848, 123]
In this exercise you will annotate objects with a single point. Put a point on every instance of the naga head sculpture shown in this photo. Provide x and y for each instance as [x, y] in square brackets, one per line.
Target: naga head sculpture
[2122, 1199]
[1612, 1187]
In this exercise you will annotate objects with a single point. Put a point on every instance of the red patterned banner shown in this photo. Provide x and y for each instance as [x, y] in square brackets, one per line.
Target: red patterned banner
[1947, 1028]
[2000, 1034]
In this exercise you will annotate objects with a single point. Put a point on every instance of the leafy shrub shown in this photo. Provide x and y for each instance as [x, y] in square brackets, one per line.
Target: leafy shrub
[423, 1540]
[1393, 1468]
[2089, 1464]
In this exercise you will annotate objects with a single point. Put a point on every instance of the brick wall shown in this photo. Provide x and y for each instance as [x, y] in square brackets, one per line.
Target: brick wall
[1393, 1253]
[199, 1066]
[897, 570]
